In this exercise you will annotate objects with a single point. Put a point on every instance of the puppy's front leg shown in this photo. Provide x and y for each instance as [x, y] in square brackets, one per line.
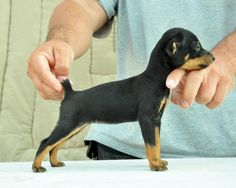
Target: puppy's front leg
[150, 127]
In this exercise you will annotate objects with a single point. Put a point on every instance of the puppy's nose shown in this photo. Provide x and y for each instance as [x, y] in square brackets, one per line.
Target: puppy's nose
[213, 57]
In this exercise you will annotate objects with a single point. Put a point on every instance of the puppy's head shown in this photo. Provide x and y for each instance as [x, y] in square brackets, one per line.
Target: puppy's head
[184, 50]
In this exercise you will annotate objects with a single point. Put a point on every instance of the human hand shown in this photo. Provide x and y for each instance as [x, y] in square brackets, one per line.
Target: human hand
[48, 65]
[209, 86]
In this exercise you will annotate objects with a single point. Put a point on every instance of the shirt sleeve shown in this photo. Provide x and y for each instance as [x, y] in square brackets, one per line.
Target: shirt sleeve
[111, 8]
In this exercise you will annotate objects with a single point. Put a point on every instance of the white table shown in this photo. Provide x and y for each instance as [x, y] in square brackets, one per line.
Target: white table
[191, 173]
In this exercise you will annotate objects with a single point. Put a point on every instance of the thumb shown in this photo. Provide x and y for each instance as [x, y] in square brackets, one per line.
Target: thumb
[62, 65]
[63, 58]
[174, 78]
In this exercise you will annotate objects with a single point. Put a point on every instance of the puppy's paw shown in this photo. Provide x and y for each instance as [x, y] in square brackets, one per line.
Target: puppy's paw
[158, 165]
[39, 169]
[58, 164]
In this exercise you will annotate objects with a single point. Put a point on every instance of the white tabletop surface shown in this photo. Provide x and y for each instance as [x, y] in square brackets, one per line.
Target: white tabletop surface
[191, 173]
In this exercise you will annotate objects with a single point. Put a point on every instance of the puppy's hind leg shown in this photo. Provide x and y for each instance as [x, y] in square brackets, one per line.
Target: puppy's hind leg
[40, 155]
[53, 153]
[62, 132]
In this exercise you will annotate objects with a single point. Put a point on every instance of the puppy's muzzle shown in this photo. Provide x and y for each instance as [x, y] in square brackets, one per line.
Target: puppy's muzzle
[199, 63]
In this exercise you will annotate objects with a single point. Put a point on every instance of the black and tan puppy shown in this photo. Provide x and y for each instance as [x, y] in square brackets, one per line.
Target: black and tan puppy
[140, 98]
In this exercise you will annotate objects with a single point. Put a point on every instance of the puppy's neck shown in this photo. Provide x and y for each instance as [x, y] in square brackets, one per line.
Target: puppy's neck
[158, 67]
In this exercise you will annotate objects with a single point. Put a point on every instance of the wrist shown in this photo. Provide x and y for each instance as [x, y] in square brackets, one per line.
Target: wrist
[225, 51]
[225, 57]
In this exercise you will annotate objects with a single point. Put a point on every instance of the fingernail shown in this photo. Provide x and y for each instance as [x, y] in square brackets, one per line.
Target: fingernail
[171, 83]
[61, 78]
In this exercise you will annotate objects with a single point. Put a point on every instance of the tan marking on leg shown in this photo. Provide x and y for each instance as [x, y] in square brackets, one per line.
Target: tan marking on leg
[163, 103]
[53, 156]
[154, 154]
[38, 160]
[197, 63]
[158, 143]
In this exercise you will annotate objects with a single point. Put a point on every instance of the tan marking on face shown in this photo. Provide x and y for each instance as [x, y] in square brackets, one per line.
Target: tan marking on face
[186, 57]
[38, 160]
[196, 63]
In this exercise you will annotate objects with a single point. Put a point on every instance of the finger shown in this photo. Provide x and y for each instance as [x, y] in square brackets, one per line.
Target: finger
[177, 98]
[176, 95]
[43, 72]
[45, 91]
[207, 90]
[37, 83]
[221, 92]
[49, 57]
[174, 78]
[63, 58]
[192, 85]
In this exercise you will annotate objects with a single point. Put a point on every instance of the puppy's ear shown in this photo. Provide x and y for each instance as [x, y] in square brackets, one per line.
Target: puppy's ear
[174, 44]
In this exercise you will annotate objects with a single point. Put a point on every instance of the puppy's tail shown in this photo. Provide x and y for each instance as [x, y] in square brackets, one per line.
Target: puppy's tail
[67, 86]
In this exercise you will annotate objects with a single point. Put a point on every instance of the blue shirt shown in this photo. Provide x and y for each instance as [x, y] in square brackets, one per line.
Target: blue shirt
[197, 131]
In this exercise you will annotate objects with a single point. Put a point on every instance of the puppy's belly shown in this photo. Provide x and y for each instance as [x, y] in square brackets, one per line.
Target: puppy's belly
[112, 114]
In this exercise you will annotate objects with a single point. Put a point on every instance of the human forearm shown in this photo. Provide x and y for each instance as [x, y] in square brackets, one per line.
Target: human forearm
[75, 22]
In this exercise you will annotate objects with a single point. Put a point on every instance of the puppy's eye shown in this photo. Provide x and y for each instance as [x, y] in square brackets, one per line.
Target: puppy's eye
[197, 47]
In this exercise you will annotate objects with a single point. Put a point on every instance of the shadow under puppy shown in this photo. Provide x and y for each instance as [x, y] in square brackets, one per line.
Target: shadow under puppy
[140, 98]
